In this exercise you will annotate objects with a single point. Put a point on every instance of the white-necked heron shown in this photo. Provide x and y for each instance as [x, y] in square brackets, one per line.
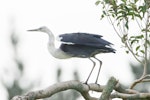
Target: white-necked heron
[82, 45]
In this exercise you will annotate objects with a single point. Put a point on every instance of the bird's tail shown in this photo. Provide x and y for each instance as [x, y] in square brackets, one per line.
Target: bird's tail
[111, 50]
[108, 50]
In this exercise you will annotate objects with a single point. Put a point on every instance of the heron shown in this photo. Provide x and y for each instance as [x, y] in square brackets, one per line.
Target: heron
[80, 44]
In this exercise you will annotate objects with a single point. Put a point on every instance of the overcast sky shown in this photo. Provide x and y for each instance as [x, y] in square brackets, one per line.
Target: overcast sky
[61, 16]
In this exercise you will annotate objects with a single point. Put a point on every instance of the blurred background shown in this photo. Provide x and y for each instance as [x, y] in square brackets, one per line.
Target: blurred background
[25, 63]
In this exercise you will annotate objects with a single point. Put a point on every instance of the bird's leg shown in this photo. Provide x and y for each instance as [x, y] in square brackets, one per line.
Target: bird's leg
[91, 71]
[99, 69]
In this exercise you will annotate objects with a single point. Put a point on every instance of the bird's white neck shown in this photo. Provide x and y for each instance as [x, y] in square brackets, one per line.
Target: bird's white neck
[55, 52]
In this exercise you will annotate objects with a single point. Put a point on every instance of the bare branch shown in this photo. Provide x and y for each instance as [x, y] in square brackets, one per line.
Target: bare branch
[136, 82]
[58, 87]
[83, 89]
[109, 88]
[130, 96]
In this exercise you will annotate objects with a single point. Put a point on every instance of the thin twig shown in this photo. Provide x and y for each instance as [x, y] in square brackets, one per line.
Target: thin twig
[146, 39]
[129, 48]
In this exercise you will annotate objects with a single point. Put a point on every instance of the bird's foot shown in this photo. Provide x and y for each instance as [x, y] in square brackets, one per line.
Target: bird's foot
[97, 84]
[87, 84]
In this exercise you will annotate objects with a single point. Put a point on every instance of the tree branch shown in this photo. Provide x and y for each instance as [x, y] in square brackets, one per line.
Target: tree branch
[145, 65]
[83, 89]
[108, 89]
[131, 96]
[58, 87]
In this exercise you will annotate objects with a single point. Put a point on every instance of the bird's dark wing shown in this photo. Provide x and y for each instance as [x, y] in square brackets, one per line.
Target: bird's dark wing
[84, 51]
[84, 39]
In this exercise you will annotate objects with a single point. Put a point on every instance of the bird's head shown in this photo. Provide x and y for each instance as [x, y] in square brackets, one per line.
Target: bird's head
[41, 29]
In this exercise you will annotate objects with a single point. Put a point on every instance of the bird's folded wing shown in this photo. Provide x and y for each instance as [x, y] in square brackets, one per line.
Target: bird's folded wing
[83, 39]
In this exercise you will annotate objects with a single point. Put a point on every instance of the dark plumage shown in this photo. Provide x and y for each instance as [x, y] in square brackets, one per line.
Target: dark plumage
[84, 45]
[84, 39]
[85, 51]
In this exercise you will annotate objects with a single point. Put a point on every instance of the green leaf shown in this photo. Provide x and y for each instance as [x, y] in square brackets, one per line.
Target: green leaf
[148, 42]
[142, 51]
[104, 12]
[97, 2]
[127, 51]
[121, 12]
[144, 30]
[133, 41]
[102, 16]
[124, 1]
[132, 37]
[126, 24]
[142, 9]
[119, 17]
[137, 54]
[137, 48]
[138, 15]
[139, 37]
[135, 1]
[130, 13]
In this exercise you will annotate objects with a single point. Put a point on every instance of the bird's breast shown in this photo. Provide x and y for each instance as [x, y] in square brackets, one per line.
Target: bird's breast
[58, 53]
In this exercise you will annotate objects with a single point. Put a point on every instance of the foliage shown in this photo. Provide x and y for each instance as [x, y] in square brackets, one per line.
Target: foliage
[124, 15]
[131, 21]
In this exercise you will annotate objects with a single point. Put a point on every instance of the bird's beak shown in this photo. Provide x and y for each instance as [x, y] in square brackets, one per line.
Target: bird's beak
[33, 30]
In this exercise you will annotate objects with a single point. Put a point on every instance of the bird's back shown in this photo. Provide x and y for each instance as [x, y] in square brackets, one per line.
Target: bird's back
[84, 39]
[84, 44]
